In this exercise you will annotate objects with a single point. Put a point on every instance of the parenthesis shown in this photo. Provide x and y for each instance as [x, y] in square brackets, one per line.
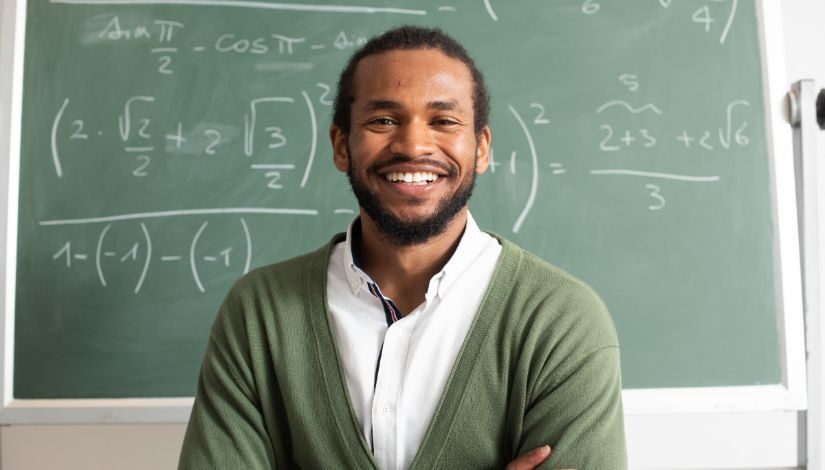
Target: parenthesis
[97, 254]
[148, 257]
[535, 179]
[490, 10]
[192, 256]
[55, 156]
[314, 126]
[248, 245]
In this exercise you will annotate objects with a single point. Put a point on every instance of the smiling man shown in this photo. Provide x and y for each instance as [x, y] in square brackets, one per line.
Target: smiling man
[415, 340]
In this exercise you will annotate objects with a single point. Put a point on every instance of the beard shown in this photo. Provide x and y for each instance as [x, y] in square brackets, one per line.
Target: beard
[402, 232]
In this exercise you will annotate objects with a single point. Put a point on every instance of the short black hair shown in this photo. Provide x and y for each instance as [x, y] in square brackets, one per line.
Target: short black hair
[406, 38]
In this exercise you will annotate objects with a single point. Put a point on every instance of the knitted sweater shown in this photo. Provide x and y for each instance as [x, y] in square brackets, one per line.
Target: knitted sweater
[540, 365]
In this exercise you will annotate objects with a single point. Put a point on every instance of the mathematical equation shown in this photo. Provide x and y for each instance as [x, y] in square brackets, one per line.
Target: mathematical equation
[136, 133]
[138, 138]
[710, 17]
[275, 137]
[733, 132]
[141, 255]
[614, 137]
[163, 33]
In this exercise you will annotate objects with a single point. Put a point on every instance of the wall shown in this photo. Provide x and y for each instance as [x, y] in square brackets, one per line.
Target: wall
[753, 440]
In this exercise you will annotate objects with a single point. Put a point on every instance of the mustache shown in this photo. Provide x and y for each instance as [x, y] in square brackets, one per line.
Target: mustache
[378, 166]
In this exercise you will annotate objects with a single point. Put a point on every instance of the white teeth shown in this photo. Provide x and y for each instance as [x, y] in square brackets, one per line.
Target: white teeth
[417, 177]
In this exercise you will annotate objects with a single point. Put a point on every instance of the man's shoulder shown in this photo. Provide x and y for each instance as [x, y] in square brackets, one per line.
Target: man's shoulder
[272, 300]
[551, 299]
[535, 275]
[290, 275]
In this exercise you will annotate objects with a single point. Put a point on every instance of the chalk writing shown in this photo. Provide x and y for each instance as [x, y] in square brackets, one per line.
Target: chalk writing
[272, 132]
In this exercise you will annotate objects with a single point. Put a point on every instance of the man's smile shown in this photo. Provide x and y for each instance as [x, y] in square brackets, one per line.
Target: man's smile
[408, 184]
[412, 178]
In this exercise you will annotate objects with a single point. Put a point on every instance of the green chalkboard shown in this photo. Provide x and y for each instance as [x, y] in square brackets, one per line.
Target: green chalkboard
[168, 147]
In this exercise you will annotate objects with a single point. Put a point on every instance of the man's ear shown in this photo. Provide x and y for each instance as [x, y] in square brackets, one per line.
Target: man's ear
[339, 148]
[483, 150]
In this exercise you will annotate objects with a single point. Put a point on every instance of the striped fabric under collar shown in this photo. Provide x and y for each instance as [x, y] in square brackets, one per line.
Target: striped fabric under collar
[391, 311]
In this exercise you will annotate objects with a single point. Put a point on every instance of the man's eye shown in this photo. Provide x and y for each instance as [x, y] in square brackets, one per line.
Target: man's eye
[444, 122]
[382, 121]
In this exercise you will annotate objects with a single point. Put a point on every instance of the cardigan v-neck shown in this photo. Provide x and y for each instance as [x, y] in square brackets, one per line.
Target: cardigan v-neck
[395, 366]
[332, 369]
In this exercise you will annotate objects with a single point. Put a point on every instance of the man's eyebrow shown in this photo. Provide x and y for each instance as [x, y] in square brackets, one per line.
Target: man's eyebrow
[440, 105]
[377, 105]
[448, 105]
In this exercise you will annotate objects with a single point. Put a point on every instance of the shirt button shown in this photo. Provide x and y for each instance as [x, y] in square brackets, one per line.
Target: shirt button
[385, 410]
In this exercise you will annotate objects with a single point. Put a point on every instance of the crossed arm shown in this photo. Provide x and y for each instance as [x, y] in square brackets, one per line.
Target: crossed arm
[580, 416]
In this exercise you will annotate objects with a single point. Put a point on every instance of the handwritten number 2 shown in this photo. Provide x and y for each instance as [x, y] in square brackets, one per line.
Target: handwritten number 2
[540, 119]
[216, 138]
[144, 124]
[165, 61]
[141, 170]
[78, 130]
[324, 99]
[604, 145]
[274, 177]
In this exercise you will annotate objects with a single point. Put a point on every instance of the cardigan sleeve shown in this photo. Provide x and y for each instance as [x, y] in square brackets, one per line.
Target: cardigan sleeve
[226, 428]
[580, 416]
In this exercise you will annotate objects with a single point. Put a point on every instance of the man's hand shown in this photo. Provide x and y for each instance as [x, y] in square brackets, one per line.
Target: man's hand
[530, 460]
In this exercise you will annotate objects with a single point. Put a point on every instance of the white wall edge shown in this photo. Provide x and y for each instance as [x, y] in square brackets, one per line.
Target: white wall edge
[637, 402]
[712, 400]
[107, 411]
[731, 440]
[787, 260]
[742, 440]
[11, 81]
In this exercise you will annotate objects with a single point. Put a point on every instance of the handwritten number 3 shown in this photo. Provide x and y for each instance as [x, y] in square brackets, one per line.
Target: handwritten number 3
[654, 193]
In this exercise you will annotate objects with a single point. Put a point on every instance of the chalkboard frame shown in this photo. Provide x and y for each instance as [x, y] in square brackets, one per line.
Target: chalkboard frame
[789, 395]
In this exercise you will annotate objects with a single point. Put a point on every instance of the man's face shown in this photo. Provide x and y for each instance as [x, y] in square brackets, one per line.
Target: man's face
[412, 153]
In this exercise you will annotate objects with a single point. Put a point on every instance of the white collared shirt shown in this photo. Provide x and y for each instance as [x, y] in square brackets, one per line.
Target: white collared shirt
[395, 399]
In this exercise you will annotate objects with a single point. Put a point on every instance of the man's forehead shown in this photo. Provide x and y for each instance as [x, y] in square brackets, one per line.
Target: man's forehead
[413, 67]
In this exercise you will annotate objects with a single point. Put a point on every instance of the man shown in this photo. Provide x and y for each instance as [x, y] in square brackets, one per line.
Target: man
[415, 340]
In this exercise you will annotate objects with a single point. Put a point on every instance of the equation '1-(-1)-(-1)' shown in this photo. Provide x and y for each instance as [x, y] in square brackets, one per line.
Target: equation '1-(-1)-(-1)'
[141, 255]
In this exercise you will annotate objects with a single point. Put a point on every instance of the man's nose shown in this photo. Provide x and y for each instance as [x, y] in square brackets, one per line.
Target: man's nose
[413, 139]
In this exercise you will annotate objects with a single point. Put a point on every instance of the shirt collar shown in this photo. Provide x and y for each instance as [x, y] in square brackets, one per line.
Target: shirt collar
[469, 247]
[356, 277]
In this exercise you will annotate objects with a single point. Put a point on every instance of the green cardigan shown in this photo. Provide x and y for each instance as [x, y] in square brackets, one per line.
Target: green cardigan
[539, 365]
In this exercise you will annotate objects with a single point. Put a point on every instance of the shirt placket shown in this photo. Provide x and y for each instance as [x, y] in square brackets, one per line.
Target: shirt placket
[389, 372]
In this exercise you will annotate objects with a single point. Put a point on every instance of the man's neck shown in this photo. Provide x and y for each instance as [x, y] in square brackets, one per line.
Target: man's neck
[403, 272]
